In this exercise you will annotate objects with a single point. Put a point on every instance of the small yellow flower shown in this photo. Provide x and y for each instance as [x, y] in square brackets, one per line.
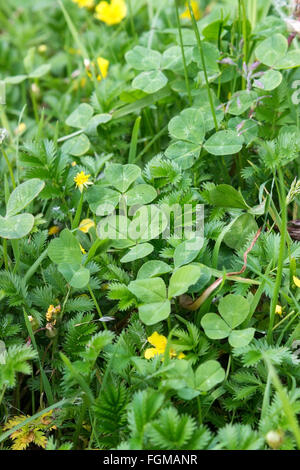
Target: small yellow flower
[52, 311]
[82, 180]
[111, 13]
[195, 8]
[102, 68]
[86, 224]
[278, 309]
[42, 48]
[82, 250]
[84, 3]
[20, 129]
[296, 281]
[73, 164]
[53, 230]
[160, 343]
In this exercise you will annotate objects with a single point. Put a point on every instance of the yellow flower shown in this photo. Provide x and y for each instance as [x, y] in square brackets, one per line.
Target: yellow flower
[84, 3]
[53, 230]
[82, 180]
[195, 9]
[278, 309]
[73, 163]
[296, 281]
[82, 250]
[160, 343]
[42, 48]
[52, 311]
[111, 13]
[21, 128]
[86, 224]
[102, 68]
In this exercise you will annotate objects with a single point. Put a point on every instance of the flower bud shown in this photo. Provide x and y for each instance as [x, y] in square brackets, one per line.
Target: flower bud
[275, 439]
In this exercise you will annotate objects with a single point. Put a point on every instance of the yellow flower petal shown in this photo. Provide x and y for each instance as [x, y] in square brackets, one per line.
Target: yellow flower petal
[158, 341]
[102, 68]
[111, 13]
[84, 3]
[21, 128]
[82, 180]
[150, 353]
[103, 65]
[278, 309]
[53, 230]
[86, 224]
[181, 355]
[195, 8]
[296, 281]
[82, 250]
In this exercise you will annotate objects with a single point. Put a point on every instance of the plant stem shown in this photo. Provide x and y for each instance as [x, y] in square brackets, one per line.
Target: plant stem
[2, 394]
[96, 305]
[79, 423]
[283, 230]
[78, 212]
[183, 54]
[199, 410]
[286, 405]
[9, 168]
[199, 42]
[5, 253]
[134, 140]
[35, 265]
[133, 31]
[245, 39]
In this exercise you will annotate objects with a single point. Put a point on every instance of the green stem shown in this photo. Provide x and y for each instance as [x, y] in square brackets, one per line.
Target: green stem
[79, 423]
[245, 46]
[2, 394]
[5, 256]
[96, 305]
[199, 42]
[286, 405]
[266, 399]
[9, 168]
[187, 83]
[199, 410]
[274, 300]
[78, 212]
[35, 265]
[134, 140]
[133, 31]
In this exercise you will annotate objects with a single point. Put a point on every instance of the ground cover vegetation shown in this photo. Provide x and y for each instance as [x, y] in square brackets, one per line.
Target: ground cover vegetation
[115, 332]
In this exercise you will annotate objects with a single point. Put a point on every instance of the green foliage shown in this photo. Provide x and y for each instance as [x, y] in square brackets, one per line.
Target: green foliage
[133, 327]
